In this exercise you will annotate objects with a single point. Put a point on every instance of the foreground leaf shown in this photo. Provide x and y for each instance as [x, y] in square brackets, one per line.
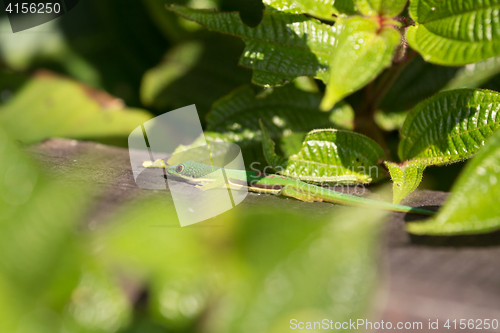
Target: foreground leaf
[293, 268]
[329, 156]
[282, 47]
[99, 303]
[247, 260]
[38, 218]
[405, 178]
[50, 106]
[450, 126]
[185, 274]
[41, 257]
[363, 50]
[473, 204]
[449, 32]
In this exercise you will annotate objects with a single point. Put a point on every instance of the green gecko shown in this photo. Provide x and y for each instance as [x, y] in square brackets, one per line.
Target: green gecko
[200, 175]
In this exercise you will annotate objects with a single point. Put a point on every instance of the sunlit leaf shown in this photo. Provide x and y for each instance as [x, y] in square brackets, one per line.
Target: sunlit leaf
[363, 50]
[451, 32]
[282, 47]
[330, 156]
[473, 205]
[49, 106]
[450, 126]
[405, 178]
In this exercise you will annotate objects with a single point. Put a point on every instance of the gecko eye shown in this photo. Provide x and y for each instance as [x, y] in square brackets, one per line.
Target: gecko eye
[179, 168]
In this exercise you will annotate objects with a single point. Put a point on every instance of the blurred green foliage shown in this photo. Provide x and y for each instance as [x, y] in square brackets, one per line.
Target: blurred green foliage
[142, 272]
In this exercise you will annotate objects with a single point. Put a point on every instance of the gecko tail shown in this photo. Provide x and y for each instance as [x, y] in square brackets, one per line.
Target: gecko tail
[154, 164]
[420, 211]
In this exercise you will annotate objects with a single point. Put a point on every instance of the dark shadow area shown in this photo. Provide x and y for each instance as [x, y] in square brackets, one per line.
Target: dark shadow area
[414, 217]
[10, 82]
[484, 240]
[418, 217]
[441, 178]
[418, 81]
[198, 72]
[118, 39]
[479, 240]
[251, 11]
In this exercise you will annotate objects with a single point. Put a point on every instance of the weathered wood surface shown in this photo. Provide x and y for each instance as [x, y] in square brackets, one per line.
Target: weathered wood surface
[427, 277]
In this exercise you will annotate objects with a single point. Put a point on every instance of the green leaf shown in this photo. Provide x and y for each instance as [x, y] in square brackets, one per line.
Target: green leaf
[172, 27]
[405, 178]
[289, 113]
[390, 121]
[388, 8]
[329, 156]
[99, 304]
[40, 254]
[282, 47]
[195, 72]
[448, 32]
[473, 205]
[474, 75]
[285, 109]
[323, 9]
[187, 272]
[292, 269]
[420, 80]
[363, 50]
[38, 219]
[450, 126]
[54, 107]
[242, 264]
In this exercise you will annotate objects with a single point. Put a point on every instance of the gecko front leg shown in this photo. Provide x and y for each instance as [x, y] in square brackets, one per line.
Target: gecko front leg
[211, 184]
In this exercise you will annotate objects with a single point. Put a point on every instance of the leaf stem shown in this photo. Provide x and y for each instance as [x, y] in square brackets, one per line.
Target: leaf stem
[375, 92]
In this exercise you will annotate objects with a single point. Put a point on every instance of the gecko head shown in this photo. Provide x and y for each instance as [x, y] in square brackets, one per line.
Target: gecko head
[182, 170]
[189, 170]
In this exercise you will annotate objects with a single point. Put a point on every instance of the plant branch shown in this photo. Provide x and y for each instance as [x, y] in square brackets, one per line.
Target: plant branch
[374, 94]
